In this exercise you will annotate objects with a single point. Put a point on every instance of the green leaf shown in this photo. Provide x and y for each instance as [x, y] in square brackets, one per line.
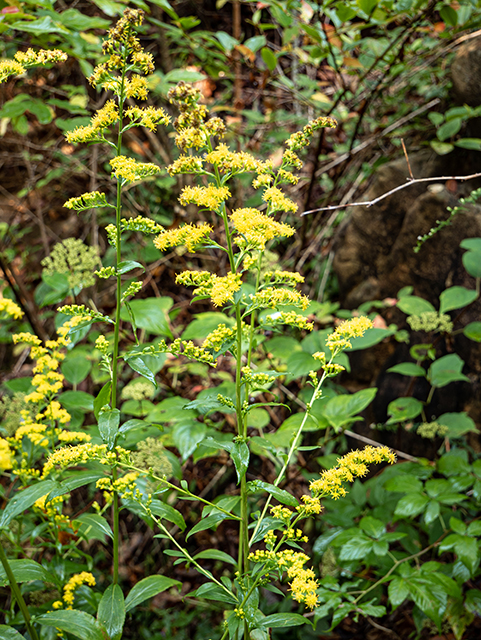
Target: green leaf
[24, 499]
[370, 338]
[472, 244]
[76, 480]
[93, 526]
[103, 398]
[183, 75]
[129, 265]
[457, 525]
[301, 363]
[414, 306]
[269, 58]
[240, 455]
[456, 298]
[255, 43]
[403, 409]
[449, 15]
[111, 611]
[187, 435]
[25, 570]
[284, 497]
[151, 314]
[404, 483]
[446, 370]
[341, 409]
[398, 591]
[367, 6]
[109, 422]
[407, 369]
[212, 591]
[76, 369]
[432, 511]
[449, 129]
[53, 289]
[227, 41]
[80, 624]
[472, 263]
[473, 331]
[458, 424]
[39, 27]
[469, 143]
[282, 621]
[148, 588]
[372, 526]
[9, 633]
[138, 363]
[207, 523]
[205, 323]
[77, 400]
[411, 505]
[356, 548]
[166, 512]
[215, 554]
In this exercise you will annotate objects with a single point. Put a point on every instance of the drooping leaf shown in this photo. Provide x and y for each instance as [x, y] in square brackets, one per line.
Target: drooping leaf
[414, 306]
[284, 497]
[456, 298]
[80, 624]
[24, 499]
[187, 435]
[148, 588]
[215, 554]
[25, 570]
[165, 511]
[342, 409]
[93, 526]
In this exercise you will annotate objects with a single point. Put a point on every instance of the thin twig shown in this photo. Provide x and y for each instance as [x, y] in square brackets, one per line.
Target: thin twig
[370, 203]
[407, 160]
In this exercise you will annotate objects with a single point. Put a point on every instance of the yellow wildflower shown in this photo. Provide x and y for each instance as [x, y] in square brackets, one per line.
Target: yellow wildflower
[5, 455]
[353, 328]
[189, 235]
[221, 289]
[74, 583]
[257, 228]
[136, 87]
[271, 297]
[10, 308]
[277, 201]
[34, 432]
[130, 170]
[148, 117]
[210, 197]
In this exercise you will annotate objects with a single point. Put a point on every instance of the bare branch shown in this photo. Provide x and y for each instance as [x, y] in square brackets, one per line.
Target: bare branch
[370, 203]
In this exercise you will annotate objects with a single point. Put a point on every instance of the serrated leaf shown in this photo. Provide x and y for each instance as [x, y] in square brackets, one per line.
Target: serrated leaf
[356, 548]
[456, 298]
[148, 588]
[411, 505]
[111, 611]
[78, 623]
[397, 591]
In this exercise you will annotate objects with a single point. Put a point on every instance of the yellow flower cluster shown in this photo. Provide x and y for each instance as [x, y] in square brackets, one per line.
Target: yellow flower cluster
[218, 337]
[5, 455]
[74, 583]
[303, 583]
[271, 297]
[302, 138]
[189, 235]
[34, 432]
[290, 318]
[125, 486]
[233, 162]
[277, 201]
[148, 117]
[49, 509]
[210, 197]
[185, 164]
[135, 87]
[311, 506]
[255, 228]
[30, 58]
[130, 170]
[11, 308]
[81, 454]
[93, 132]
[73, 436]
[352, 465]
[256, 380]
[356, 327]
[291, 159]
[262, 180]
[220, 289]
[87, 201]
[282, 513]
[284, 277]
[287, 176]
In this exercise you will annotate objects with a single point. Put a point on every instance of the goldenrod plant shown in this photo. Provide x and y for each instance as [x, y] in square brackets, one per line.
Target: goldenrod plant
[50, 460]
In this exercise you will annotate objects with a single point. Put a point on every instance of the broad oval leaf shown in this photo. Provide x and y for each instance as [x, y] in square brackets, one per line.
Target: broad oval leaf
[78, 623]
[356, 548]
[370, 338]
[9, 633]
[456, 298]
[403, 409]
[445, 370]
[458, 424]
[407, 369]
[109, 422]
[411, 505]
[25, 570]
[341, 409]
[414, 306]
[472, 263]
[76, 369]
[473, 331]
[148, 588]
[111, 611]
[151, 314]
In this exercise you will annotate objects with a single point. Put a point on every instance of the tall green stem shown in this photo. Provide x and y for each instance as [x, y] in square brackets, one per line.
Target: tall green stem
[17, 594]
